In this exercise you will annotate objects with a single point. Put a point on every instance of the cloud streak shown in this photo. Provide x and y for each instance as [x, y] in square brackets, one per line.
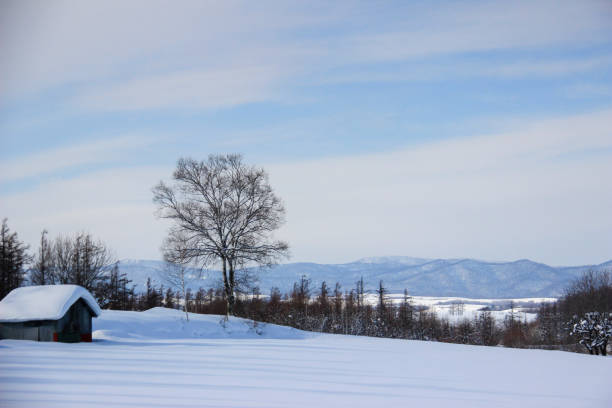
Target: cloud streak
[533, 192]
[114, 205]
[180, 90]
[260, 50]
[52, 160]
[538, 191]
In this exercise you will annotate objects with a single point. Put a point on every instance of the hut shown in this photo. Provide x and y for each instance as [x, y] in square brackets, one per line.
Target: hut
[48, 313]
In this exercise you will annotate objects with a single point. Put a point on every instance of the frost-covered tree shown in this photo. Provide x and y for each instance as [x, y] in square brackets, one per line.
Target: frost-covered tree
[594, 330]
[591, 292]
[225, 212]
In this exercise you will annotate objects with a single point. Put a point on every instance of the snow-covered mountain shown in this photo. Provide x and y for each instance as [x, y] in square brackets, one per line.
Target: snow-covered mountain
[422, 277]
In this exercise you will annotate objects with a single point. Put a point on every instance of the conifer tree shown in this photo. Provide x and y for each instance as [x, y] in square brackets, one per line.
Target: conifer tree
[13, 257]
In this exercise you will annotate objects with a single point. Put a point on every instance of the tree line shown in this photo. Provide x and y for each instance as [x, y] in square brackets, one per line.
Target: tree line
[578, 321]
[78, 259]
[332, 310]
[582, 314]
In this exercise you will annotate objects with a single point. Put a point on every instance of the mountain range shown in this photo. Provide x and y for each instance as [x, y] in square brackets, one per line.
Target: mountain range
[421, 277]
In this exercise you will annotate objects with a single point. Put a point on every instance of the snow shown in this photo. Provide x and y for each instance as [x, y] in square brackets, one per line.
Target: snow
[48, 302]
[162, 323]
[139, 360]
[456, 309]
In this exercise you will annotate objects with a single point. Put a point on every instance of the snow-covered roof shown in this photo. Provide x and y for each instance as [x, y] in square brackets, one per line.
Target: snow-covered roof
[49, 302]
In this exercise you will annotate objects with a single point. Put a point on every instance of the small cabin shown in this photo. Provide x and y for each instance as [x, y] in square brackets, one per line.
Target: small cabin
[48, 313]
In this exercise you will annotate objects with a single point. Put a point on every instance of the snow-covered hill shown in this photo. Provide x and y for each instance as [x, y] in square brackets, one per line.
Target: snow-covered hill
[423, 277]
[162, 323]
[158, 359]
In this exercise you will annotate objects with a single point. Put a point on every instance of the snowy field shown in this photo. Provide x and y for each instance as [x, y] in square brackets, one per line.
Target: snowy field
[456, 309]
[157, 359]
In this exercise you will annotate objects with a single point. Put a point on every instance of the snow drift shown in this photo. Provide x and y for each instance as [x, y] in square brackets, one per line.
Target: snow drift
[161, 323]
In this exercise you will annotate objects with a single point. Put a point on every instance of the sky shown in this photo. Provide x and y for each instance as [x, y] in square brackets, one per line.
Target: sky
[427, 129]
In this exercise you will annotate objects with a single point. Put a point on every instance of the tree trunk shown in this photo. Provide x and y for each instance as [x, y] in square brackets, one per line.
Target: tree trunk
[229, 289]
[231, 300]
[184, 292]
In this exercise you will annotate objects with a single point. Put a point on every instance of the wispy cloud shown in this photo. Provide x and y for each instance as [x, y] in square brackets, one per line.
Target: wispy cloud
[84, 42]
[532, 192]
[471, 27]
[114, 204]
[55, 159]
[516, 68]
[552, 67]
[535, 192]
[197, 90]
[588, 90]
[258, 50]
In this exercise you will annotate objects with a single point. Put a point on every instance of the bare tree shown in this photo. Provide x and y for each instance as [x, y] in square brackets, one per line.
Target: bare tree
[224, 213]
[590, 292]
[113, 292]
[42, 271]
[177, 278]
[360, 293]
[176, 254]
[81, 260]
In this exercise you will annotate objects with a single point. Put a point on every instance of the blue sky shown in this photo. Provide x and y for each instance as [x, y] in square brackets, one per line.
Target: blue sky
[432, 129]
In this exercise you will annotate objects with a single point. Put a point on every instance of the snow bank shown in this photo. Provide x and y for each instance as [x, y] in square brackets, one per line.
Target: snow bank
[162, 323]
[48, 302]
